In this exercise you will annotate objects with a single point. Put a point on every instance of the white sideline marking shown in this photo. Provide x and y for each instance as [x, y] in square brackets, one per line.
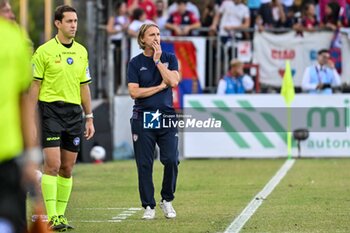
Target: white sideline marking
[119, 217]
[254, 204]
[97, 221]
[130, 211]
[127, 212]
[108, 208]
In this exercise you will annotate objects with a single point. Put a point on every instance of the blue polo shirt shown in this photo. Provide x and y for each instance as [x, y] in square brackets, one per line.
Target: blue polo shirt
[142, 70]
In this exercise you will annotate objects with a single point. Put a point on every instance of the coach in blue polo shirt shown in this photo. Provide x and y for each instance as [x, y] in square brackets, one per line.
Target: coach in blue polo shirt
[151, 76]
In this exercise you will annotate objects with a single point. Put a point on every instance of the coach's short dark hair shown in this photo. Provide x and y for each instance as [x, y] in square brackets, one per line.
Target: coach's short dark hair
[323, 51]
[62, 9]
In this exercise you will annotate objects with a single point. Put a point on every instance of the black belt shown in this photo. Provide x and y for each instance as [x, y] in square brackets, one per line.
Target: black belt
[62, 103]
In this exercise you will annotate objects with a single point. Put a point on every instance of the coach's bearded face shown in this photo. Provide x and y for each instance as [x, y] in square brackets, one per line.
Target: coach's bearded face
[68, 25]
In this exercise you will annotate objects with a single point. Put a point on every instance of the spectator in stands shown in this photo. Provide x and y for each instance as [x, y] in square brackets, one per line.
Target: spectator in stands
[287, 5]
[117, 27]
[147, 5]
[321, 77]
[235, 81]
[162, 18]
[265, 13]
[278, 14]
[253, 6]
[332, 19]
[272, 14]
[208, 17]
[189, 6]
[139, 18]
[309, 21]
[232, 15]
[323, 7]
[118, 23]
[182, 22]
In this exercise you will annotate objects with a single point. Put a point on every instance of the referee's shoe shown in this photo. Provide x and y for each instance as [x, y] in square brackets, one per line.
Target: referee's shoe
[63, 220]
[55, 224]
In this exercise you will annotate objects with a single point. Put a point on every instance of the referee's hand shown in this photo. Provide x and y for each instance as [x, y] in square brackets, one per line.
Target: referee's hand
[89, 129]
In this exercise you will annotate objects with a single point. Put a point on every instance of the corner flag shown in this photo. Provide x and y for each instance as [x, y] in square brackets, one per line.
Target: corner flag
[288, 93]
[287, 90]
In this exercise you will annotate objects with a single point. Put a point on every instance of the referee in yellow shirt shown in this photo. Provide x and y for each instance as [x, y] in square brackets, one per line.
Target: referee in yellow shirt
[61, 78]
[16, 124]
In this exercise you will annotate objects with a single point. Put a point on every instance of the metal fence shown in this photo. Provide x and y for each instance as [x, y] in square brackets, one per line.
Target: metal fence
[111, 75]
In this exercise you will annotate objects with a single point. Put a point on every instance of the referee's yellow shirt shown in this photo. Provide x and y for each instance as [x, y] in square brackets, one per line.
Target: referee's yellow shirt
[62, 70]
[15, 77]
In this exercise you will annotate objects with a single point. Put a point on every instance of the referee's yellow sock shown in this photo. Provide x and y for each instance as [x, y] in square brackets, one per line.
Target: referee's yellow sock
[49, 190]
[64, 188]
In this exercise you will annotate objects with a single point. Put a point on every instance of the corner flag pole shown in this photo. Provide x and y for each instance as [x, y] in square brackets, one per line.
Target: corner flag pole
[288, 93]
[68, 2]
[289, 132]
[23, 13]
[48, 19]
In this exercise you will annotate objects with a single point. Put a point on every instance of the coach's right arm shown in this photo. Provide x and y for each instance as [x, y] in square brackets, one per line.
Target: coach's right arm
[134, 88]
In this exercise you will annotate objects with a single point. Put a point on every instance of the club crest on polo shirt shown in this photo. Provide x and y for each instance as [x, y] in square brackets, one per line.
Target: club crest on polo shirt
[70, 61]
[135, 137]
[76, 141]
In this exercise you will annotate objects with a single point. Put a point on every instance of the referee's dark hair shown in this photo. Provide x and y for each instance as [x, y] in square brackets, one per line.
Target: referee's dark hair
[142, 32]
[3, 2]
[62, 9]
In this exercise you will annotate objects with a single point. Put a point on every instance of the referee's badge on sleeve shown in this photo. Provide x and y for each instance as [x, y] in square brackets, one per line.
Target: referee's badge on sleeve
[88, 72]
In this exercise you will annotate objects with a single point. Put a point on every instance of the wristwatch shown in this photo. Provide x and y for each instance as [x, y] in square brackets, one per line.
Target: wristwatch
[90, 115]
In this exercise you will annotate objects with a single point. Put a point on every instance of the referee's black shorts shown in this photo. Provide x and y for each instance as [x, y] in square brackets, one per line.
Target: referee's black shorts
[62, 125]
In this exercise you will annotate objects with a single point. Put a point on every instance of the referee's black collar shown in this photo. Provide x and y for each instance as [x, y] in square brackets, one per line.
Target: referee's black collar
[59, 42]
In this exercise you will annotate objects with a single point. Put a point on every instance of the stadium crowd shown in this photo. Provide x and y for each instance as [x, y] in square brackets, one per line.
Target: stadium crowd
[237, 19]
[223, 16]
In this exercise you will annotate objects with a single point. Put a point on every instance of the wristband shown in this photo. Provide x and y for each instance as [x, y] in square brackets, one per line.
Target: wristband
[90, 115]
[157, 62]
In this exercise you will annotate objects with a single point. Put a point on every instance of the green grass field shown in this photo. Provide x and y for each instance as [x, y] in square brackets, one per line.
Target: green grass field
[313, 197]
